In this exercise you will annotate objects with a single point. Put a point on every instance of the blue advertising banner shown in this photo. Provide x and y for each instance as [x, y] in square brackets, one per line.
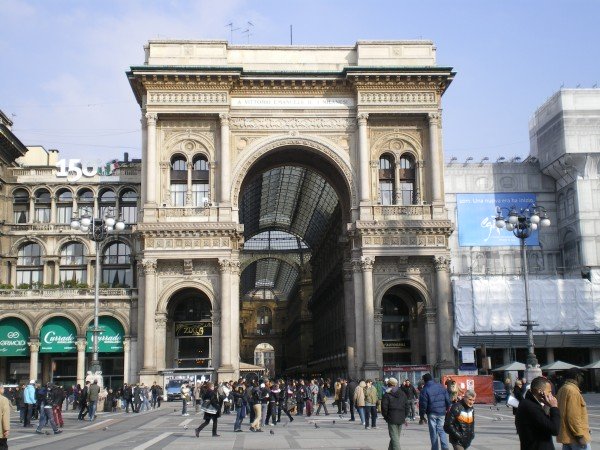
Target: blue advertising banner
[476, 215]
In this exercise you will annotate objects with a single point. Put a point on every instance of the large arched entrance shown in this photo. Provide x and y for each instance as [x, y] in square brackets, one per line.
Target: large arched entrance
[293, 203]
[189, 335]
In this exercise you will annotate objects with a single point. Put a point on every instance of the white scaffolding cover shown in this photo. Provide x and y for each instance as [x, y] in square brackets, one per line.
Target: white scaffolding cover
[497, 305]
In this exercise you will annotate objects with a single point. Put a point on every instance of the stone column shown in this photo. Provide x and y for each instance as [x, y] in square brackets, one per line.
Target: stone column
[34, 352]
[13, 272]
[370, 365]
[225, 166]
[144, 123]
[397, 190]
[505, 356]
[149, 266]
[225, 369]
[188, 193]
[53, 209]
[363, 157]
[358, 316]
[549, 355]
[81, 344]
[435, 157]
[150, 188]
[31, 213]
[444, 323]
[216, 339]
[161, 339]
[378, 322]
[137, 340]
[349, 320]
[126, 359]
[431, 333]
[235, 318]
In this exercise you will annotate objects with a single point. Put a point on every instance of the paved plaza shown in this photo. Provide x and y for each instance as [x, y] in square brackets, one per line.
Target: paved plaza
[165, 428]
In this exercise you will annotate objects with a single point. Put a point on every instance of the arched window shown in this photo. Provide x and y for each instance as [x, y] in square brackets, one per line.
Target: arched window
[178, 180]
[30, 269]
[107, 203]
[128, 206]
[264, 319]
[43, 204]
[72, 263]
[407, 180]
[386, 180]
[85, 202]
[395, 324]
[570, 208]
[64, 206]
[116, 265]
[562, 207]
[200, 189]
[570, 250]
[20, 206]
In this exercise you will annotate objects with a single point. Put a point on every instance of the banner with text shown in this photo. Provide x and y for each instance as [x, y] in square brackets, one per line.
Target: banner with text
[14, 335]
[476, 215]
[110, 338]
[58, 335]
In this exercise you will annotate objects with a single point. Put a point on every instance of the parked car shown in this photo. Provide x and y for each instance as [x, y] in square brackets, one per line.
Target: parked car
[173, 389]
[500, 393]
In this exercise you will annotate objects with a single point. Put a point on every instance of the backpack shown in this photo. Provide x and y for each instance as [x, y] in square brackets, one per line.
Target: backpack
[49, 397]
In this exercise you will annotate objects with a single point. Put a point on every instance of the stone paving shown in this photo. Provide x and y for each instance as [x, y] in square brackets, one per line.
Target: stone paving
[165, 428]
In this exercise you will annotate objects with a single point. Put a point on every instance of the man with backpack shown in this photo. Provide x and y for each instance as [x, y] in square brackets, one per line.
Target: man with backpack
[46, 404]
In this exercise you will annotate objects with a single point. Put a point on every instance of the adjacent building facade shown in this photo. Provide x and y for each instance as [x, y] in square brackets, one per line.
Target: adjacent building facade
[290, 208]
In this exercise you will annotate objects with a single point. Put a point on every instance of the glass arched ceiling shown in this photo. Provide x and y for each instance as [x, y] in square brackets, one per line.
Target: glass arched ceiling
[269, 274]
[288, 198]
[274, 241]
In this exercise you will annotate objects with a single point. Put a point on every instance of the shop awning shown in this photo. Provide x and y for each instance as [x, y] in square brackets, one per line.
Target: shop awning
[110, 339]
[14, 335]
[58, 335]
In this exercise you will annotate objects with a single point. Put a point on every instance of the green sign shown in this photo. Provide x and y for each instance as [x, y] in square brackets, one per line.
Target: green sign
[58, 335]
[14, 335]
[110, 338]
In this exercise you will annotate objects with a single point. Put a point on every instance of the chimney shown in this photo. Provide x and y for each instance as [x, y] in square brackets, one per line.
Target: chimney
[126, 157]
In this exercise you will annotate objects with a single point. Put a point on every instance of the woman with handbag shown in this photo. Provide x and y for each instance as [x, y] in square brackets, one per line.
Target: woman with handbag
[211, 407]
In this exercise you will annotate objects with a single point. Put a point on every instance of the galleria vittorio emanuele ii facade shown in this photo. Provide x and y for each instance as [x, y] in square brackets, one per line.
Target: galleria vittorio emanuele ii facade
[288, 211]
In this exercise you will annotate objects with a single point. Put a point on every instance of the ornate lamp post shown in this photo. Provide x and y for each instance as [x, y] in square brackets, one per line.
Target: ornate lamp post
[522, 222]
[97, 229]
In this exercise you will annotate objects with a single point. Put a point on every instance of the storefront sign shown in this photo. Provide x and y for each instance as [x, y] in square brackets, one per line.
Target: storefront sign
[58, 335]
[423, 368]
[394, 344]
[110, 339]
[193, 329]
[14, 335]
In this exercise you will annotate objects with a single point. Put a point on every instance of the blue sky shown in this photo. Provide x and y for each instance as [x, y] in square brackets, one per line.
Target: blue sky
[62, 77]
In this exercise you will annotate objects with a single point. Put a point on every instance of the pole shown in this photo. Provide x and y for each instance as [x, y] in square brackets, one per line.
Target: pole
[95, 366]
[533, 369]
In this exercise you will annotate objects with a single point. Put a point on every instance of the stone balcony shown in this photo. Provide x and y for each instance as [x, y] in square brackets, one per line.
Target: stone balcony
[67, 294]
[403, 212]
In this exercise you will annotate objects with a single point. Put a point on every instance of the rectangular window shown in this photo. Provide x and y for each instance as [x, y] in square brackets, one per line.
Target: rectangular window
[42, 214]
[129, 214]
[77, 275]
[29, 276]
[406, 193]
[21, 213]
[199, 193]
[117, 277]
[178, 193]
[64, 213]
[386, 190]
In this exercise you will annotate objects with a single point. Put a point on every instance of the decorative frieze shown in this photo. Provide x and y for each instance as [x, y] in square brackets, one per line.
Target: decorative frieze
[409, 240]
[397, 98]
[187, 243]
[291, 123]
[187, 98]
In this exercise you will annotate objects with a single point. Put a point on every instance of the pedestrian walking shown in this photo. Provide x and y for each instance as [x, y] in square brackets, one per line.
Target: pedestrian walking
[435, 401]
[321, 400]
[92, 399]
[30, 401]
[4, 419]
[460, 422]
[574, 428]
[128, 398]
[59, 398]
[186, 397]
[538, 417]
[257, 407]
[83, 401]
[211, 406]
[47, 403]
[412, 396]
[284, 400]
[352, 384]
[240, 399]
[359, 400]
[394, 406]
[370, 406]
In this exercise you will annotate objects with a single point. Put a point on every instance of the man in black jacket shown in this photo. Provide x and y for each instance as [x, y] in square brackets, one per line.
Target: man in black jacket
[350, 393]
[538, 417]
[460, 422]
[394, 407]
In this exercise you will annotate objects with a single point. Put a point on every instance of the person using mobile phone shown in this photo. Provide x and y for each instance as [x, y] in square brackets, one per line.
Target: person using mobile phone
[538, 416]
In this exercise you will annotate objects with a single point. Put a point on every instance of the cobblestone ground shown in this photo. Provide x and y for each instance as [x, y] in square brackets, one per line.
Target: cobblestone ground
[165, 428]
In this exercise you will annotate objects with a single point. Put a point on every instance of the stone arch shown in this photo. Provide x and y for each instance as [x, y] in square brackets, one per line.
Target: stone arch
[22, 317]
[28, 189]
[123, 320]
[178, 143]
[168, 292]
[67, 315]
[260, 148]
[119, 238]
[24, 240]
[391, 282]
[414, 146]
[72, 238]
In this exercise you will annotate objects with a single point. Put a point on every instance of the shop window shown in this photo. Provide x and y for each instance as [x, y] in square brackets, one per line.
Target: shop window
[20, 206]
[43, 204]
[178, 180]
[128, 206]
[116, 265]
[386, 180]
[395, 327]
[29, 264]
[64, 206]
[72, 263]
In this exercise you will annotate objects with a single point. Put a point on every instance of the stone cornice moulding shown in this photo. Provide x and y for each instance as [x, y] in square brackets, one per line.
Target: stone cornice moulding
[292, 123]
[397, 98]
[179, 97]
[185, 226]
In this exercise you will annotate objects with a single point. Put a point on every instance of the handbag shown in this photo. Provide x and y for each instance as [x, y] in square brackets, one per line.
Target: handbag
[208, 407]
[512, 401]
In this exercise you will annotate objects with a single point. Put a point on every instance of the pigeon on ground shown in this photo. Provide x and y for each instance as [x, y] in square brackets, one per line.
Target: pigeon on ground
[316, 426]
[185, 427]
[47, 433]
[334, 422]
[105, 428]
[271, 432]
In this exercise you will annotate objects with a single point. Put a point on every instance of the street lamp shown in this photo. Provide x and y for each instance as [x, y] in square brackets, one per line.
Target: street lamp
[522, 222]
[97, 230]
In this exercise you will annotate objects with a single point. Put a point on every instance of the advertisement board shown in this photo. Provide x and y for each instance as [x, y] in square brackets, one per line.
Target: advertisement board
[483, 385]
[476, 216]
[110, 339]
[14, 335]
[58, 335]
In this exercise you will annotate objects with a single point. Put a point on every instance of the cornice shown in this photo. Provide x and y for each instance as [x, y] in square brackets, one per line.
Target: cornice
[393, 227]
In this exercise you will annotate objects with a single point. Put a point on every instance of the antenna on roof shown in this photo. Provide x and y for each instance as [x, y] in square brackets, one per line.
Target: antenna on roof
[231, 30]
[247, 31]
[291, 34]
